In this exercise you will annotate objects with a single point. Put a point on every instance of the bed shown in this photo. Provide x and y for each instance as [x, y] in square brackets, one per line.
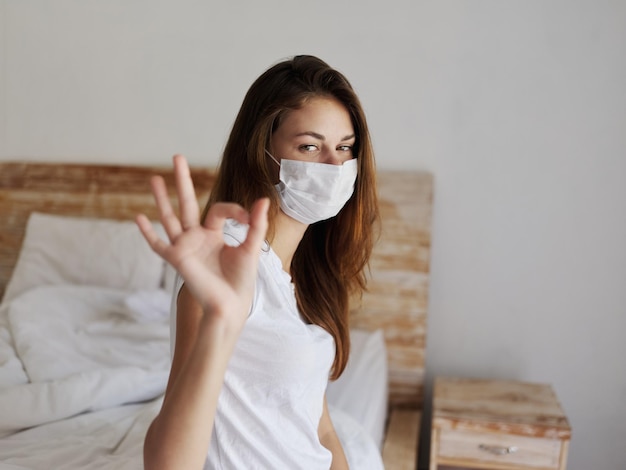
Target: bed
[84, 347]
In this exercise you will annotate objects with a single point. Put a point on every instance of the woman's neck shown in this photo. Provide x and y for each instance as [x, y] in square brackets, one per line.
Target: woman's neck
[287, 236]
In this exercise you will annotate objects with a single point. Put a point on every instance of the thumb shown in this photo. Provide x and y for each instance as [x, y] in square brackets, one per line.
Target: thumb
[258, 225]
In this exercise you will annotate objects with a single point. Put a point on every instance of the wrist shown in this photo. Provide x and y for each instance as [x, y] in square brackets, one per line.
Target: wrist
[219, 327]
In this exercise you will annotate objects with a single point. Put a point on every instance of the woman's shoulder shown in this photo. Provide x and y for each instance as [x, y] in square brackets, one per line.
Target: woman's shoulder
[234, 232]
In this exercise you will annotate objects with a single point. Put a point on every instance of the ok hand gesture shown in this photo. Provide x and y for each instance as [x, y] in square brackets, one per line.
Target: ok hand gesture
[220, 277]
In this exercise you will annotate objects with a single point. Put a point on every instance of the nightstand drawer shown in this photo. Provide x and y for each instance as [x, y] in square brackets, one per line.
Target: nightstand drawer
[497, 424]
[492, 448]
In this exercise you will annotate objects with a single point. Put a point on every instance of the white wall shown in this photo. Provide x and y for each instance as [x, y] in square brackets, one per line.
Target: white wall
[517, 107]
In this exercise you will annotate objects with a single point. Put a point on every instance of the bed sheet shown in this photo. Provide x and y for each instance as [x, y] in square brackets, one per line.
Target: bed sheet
[82, 373]
[108, 439]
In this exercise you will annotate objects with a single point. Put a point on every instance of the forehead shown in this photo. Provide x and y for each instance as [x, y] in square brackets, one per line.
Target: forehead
[322, 115]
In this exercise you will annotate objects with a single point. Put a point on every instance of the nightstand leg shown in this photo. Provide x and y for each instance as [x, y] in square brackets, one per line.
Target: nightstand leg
[563, 459]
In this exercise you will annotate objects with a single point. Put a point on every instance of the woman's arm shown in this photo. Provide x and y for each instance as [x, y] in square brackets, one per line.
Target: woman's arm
[179, 436]
[330, 440]
[211, 310]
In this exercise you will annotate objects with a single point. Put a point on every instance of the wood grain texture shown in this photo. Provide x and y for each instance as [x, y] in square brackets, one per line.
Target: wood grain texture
[108, 192]
[400, 447]
[398, 288]
[497, 424]
[397, 296]
[529, 452]
[512, 407]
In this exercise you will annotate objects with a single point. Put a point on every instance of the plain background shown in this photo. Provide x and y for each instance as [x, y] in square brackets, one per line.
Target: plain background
[517, 107]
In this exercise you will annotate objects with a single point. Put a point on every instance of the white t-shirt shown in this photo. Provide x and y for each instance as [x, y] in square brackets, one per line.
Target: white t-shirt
[271, 402]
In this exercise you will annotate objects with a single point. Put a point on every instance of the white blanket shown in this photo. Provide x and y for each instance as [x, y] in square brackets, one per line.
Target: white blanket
[82, 373]
[110, 439]
[74, 358]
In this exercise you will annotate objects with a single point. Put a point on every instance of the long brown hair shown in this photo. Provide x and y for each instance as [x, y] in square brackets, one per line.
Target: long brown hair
[329, 264]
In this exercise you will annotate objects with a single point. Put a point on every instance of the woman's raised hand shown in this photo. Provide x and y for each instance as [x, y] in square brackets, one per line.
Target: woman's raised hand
[220, 277]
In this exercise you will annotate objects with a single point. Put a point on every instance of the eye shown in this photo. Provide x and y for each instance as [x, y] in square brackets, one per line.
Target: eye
[345, 148]
[308, 148]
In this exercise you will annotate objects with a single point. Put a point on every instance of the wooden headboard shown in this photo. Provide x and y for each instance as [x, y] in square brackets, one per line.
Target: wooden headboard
[398, 288]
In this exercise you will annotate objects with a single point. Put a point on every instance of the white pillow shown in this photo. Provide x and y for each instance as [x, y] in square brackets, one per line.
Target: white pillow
[72, 250]
[362, 390]
[358, 445]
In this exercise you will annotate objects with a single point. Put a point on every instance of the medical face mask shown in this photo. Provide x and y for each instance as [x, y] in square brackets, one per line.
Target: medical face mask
[310, 192]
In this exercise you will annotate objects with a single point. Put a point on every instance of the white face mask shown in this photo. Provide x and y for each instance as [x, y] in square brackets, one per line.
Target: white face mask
[310, 192]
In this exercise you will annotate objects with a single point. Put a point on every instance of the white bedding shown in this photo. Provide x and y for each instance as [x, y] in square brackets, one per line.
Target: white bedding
[83, 367]
[88, 364]
[93, 370]
[107, 439]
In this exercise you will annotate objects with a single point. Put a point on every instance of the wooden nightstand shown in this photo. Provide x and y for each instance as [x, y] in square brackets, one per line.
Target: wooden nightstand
[495, 424]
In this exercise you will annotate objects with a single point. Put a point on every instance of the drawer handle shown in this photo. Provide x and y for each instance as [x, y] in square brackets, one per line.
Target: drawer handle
[498, 450]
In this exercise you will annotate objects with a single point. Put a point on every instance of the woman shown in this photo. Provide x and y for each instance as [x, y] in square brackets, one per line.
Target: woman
[262, 315]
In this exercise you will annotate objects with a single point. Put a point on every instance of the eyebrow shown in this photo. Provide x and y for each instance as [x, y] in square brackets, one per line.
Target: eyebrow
[321, 137]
